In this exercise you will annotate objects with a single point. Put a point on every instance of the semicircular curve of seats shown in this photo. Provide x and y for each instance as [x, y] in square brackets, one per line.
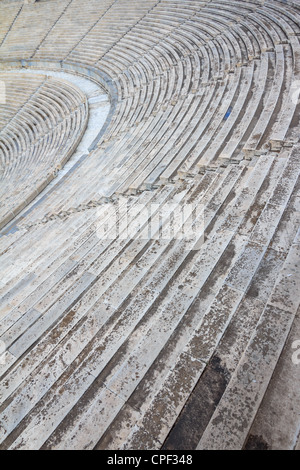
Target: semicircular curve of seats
[42, 120]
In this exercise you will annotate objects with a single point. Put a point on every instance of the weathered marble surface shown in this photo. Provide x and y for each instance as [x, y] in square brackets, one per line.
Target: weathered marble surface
[152, 342]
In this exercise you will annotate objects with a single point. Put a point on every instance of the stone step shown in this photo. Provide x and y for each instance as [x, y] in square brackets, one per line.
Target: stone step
[225, 129]
[258, 94]
[150, 342]
[189, 153]
[165, 425]
[265, 432]
[96, 367]
[254, 142]
[253, 374]
[76, 254]
[163, 277]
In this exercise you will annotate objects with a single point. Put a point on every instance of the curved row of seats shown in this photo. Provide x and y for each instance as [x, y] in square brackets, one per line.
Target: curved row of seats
[43, 119]
[98, 31]
[114, 67]
[17, 92]
[19, 41]
[9, 14]
[107, 337]
[71, 27]
[76, 304]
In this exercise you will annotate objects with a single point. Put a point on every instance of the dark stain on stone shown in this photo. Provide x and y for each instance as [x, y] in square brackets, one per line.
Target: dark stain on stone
[256, 443]
[198, 410]
[221, 210]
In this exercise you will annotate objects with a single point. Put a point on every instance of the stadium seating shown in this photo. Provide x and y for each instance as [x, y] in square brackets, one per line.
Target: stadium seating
[114, 338]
